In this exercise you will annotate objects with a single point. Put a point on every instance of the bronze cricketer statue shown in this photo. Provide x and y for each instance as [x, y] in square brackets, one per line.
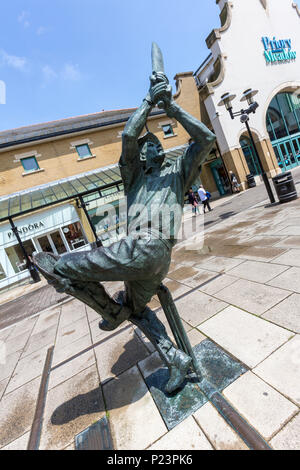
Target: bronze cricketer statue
[142, 258]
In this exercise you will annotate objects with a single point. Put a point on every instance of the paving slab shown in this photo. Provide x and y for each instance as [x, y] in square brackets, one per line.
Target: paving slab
[289, 230]
[7, 368]
[289, 280]
[72, 332]
[68, 369]
[282, 369]
[195, 337]
[46, 320]
[247, 337]
[27, 369]
[289, 258]
[19, 444]
[176, 288]
[70, 408]
[40, 340]
[16, 343]
[130, 406]
[264, 240]
[99, 335]
[257, 271]
[4, 334]
[262, 406]
[3, 384]
[143, 338]
[289, 437]
[62, 354]
[190, 276]
[219, 264]
[114, 357]
[220, 434]
[24, 326]
[224, 280]
[289, 242]
[262, 253]
[197, 307]
[286, 313]
[92, 315]
[17, 411]
[252, 296]
[71, 312]
[150, 364]
[186, 436]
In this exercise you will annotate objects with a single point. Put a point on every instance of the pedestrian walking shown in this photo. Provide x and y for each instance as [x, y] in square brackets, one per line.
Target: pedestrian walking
[234, 182]
[203, 195]
[193, 201]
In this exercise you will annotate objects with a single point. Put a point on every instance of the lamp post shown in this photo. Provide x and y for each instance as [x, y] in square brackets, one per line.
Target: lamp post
[226, 100]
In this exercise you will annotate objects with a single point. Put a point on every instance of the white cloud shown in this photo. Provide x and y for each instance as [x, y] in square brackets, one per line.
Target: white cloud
[13, 61]
[23, 18]
[71, 72]
[41, 30]
[49, 73]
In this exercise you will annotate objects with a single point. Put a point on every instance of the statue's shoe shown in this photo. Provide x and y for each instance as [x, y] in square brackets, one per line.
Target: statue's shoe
[124, 314]
[178, 371]
[45, 263]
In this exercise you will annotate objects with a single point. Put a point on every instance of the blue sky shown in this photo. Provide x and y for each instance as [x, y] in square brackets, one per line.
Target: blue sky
[62, 58]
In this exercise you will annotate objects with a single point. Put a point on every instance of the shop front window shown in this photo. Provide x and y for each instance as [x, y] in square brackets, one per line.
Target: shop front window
[74, 236]
[283, 116]
[16, 255]
[2, 272]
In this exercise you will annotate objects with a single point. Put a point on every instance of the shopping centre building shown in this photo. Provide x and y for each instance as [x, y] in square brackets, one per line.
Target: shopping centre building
[255, 48]
[57, 177]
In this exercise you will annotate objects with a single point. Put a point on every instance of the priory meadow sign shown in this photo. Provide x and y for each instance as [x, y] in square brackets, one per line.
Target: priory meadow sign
[278, 50]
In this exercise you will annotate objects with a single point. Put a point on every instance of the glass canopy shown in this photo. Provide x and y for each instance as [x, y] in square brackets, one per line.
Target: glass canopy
[65, 189]
[54, 193]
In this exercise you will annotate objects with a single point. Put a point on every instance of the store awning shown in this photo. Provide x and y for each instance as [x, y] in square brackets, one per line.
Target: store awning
[46, 195]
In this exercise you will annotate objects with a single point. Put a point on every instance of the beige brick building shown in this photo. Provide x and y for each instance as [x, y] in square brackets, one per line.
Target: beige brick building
[56, 177]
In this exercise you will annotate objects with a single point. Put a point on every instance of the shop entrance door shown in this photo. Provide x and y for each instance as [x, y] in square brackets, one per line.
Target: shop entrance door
[287, 152]
[53, 243]
[220, 177]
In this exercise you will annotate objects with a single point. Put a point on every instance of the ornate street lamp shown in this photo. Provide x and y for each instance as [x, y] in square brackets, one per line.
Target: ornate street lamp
[226, 100]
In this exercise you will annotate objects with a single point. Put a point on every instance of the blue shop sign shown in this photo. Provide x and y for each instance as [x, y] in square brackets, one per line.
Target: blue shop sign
[278, 50]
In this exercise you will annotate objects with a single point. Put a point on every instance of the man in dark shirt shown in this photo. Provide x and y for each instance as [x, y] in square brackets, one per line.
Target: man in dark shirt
[153, 189]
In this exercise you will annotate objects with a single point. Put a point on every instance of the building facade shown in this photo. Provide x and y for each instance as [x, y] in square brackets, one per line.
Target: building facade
[255, 48]
[57, 178]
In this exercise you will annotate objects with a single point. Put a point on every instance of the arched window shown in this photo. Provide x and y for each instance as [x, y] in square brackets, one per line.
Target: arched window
[283, 116]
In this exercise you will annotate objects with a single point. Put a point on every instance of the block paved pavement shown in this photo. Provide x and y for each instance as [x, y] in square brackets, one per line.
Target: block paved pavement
[240, 290]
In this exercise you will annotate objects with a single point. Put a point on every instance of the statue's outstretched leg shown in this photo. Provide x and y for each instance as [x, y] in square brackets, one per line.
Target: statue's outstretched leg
[91, 293]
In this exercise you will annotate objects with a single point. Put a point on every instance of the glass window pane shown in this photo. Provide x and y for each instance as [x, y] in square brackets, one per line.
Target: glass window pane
[29, 164]
[25, 202]
[74, 236]
[168, 130]
[83, 151]
[16, 256]
[2, 273]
